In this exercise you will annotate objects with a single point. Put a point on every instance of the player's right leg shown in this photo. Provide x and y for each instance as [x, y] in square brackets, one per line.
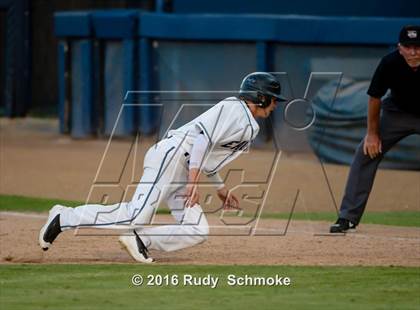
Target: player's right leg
[117, 216]
[51, 228]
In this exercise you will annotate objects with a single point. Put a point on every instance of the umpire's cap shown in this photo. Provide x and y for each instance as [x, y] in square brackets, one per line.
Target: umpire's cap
[410, 35]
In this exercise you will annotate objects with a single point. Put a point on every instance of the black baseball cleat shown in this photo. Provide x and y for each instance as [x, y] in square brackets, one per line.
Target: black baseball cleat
[342, 226]
[51, 229]
[136, 248]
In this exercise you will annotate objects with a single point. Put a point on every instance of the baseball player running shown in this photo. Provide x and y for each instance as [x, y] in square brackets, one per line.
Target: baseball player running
[171, 172]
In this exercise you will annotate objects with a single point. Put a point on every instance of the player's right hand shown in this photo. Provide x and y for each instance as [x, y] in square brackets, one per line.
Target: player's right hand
[192, 196]
[230, 201]
[372, 145]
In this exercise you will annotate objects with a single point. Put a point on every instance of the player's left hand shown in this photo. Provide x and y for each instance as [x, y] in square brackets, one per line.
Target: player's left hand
[230, 201]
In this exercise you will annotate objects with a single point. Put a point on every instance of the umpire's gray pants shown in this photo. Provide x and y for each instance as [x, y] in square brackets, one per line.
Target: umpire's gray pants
[394, 126]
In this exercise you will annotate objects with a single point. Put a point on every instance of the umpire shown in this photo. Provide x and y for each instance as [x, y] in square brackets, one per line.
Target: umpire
[398, 72]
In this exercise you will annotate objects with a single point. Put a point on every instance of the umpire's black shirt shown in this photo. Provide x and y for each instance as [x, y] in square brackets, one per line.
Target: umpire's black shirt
[395, 74]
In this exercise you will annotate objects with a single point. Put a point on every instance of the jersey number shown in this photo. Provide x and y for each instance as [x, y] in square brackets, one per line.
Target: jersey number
[236, 145]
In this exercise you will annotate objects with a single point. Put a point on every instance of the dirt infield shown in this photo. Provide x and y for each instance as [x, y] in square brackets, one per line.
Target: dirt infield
[37, 161]
[305, 243]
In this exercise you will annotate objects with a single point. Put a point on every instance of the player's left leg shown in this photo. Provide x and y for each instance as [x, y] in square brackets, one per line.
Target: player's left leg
[191, 227]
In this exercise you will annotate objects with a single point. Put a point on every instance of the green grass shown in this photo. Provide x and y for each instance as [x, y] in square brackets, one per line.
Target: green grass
[109, 287]
[21, 203]
[395, 218]
[31, 204]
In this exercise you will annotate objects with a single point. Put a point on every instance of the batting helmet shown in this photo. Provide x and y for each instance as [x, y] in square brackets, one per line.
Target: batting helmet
[260, 87]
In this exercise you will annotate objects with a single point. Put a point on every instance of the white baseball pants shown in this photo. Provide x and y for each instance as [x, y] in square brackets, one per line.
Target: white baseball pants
[164, 178]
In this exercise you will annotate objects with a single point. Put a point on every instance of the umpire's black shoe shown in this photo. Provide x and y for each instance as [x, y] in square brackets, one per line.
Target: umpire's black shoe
[342, 226]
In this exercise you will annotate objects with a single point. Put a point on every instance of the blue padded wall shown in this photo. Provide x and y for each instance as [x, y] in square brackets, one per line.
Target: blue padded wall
[63, 112]
[117, 29]
[277, 28]
[82, 89]
[148, 115]
[75, 116]
[115, 24]
[402, 8]
[73, 24]
[118, 75]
